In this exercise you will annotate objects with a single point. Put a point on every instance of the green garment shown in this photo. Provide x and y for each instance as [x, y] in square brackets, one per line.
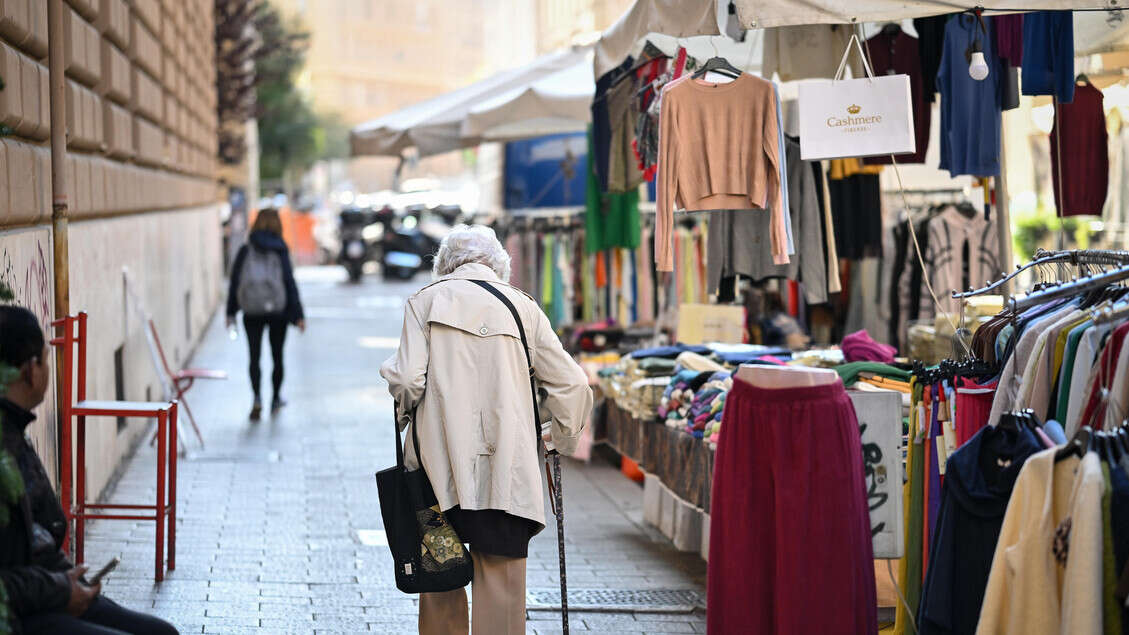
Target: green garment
[1067, 370]
[610, 220]
[1111, 606]
[588, 284]
[547, 273]
[850, 371]
[559, 303]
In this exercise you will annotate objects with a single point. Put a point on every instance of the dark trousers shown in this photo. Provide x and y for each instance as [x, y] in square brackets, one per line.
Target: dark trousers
[255, 325]
[104, 617]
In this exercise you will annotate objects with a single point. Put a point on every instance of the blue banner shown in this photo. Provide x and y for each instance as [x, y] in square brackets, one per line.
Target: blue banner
[546, 171]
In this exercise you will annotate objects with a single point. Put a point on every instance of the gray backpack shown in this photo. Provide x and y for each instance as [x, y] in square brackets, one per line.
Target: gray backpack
[261, 287]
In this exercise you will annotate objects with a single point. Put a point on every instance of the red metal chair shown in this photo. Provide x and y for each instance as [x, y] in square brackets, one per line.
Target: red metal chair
[75, 505]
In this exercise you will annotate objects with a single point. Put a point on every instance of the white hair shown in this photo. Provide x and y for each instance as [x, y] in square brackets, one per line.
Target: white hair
[472, 243]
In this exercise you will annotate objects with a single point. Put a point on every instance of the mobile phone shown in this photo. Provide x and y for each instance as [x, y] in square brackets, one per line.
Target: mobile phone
[104, 571]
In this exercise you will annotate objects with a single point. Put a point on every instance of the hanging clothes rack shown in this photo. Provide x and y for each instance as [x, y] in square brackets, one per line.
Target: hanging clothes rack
[1077, 257]
[1067, 289]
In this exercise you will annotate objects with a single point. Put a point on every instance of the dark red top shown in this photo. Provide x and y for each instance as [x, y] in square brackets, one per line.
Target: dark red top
[1085, 165]
[898, 54]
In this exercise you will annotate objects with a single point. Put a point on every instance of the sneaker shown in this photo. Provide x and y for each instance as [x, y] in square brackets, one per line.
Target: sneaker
[276, 404]
[256, 411]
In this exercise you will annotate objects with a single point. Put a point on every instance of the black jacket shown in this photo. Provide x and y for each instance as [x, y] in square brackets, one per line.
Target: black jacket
[979, 478]
[35, 582]
[266, 241]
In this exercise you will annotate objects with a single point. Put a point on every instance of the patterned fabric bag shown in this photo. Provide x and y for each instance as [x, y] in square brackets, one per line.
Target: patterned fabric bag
[428, 555]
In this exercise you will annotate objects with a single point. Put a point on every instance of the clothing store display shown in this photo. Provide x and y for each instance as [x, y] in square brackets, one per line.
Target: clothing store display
[738, 242]
[1009, 38]
[719, 149]
[970, 109]
[930, 45]
[894, 52]
[783, 455]
[807, 51]
[1047, 572]
[1048, 54]
[962, 252]
[979, 478]
[1084, 147]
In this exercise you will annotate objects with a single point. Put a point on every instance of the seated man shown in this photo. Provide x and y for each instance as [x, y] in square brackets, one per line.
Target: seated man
[46, 593]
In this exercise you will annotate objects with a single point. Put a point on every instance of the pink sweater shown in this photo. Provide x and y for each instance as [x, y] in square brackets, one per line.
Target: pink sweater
[718, 150]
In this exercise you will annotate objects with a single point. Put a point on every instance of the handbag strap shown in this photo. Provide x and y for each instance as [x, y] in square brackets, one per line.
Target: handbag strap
[528, 359]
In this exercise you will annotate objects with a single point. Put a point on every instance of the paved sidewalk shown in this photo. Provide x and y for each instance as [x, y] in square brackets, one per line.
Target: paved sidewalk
[273, 516]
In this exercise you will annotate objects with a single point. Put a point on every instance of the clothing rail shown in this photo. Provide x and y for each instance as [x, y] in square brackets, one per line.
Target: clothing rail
[1067, 289]
[1111, 313]
[1045, 257]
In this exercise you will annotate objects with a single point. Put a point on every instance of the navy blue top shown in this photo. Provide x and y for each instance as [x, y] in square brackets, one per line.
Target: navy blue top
[1048, 54]
[970, 109]
[979, 479]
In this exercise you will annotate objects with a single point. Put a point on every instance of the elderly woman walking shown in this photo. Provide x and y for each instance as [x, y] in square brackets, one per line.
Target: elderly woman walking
[461, 370]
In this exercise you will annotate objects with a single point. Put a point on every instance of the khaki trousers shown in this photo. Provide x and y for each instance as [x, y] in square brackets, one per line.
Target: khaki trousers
[498, 601]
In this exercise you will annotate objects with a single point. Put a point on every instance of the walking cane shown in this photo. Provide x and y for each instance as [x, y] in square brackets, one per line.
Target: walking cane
[556, 500]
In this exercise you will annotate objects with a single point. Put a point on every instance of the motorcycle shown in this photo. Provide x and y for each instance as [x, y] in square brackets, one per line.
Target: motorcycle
[360, 233]
[410, 243]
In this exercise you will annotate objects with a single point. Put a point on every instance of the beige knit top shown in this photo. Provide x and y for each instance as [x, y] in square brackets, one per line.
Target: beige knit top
[718, 150]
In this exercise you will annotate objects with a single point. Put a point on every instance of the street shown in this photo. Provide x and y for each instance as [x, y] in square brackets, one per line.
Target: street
[279, 529]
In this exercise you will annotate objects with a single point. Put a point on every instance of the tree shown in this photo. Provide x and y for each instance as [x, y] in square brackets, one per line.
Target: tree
[290, 136]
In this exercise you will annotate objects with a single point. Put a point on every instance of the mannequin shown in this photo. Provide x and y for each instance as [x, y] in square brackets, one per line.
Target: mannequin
[764, 376]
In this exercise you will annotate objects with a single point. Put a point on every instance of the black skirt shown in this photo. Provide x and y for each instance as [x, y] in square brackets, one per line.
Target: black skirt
[493, 531]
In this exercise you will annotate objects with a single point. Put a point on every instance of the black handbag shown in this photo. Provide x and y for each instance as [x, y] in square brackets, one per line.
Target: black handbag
[429, 557]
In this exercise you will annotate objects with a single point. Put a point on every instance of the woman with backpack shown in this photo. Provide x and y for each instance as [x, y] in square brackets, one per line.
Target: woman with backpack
[263, 287]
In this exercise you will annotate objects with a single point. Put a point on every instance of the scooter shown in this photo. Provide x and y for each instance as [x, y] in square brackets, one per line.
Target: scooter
[360, 237]
[406, 248]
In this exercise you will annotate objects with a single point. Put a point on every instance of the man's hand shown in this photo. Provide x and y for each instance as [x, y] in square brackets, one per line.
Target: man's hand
[302, 326]
[229, 322]
[81, 594]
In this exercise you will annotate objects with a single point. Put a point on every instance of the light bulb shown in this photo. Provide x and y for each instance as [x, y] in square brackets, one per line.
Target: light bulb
[978, 69]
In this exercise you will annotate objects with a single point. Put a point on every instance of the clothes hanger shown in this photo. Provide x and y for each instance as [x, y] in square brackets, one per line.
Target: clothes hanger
[1078, 446]
[717, 64]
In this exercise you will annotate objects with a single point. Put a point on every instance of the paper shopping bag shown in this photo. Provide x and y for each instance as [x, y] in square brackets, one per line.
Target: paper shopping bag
[862, 117]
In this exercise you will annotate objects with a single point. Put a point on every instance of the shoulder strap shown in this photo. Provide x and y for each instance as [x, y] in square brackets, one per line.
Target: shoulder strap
[528, 358]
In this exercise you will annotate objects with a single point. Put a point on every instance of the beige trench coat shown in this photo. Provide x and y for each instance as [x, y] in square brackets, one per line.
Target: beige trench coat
[460, 361]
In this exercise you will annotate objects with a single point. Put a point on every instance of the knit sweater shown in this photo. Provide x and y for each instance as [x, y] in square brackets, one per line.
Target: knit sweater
[719, 148]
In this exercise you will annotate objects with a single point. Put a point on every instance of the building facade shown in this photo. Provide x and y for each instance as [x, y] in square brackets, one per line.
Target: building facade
[140, 168]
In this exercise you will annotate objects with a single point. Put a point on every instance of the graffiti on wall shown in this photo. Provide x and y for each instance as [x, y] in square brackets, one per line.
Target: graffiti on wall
[26, 268]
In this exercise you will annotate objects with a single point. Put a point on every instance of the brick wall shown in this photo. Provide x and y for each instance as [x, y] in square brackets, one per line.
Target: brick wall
[141, 141]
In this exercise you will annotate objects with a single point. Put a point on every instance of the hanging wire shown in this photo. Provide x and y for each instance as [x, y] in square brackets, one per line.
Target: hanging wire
[913, 232]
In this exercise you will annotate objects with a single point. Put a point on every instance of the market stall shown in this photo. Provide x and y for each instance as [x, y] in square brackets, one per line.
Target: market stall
[844, 247]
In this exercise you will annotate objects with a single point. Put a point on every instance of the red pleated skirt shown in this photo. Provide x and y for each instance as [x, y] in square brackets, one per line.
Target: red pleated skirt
[790, 540]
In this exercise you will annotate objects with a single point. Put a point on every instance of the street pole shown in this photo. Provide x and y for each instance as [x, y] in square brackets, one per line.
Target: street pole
[59, 236]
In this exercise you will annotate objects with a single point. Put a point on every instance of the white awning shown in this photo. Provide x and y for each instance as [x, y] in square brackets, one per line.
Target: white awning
[560, 102]
[770, 13]
[435, 126]
[678, 18]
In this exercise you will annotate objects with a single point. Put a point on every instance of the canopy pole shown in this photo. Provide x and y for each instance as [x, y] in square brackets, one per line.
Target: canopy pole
[1003, 213]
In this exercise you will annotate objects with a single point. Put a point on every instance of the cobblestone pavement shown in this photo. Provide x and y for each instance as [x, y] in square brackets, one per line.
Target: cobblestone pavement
[273, 516]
